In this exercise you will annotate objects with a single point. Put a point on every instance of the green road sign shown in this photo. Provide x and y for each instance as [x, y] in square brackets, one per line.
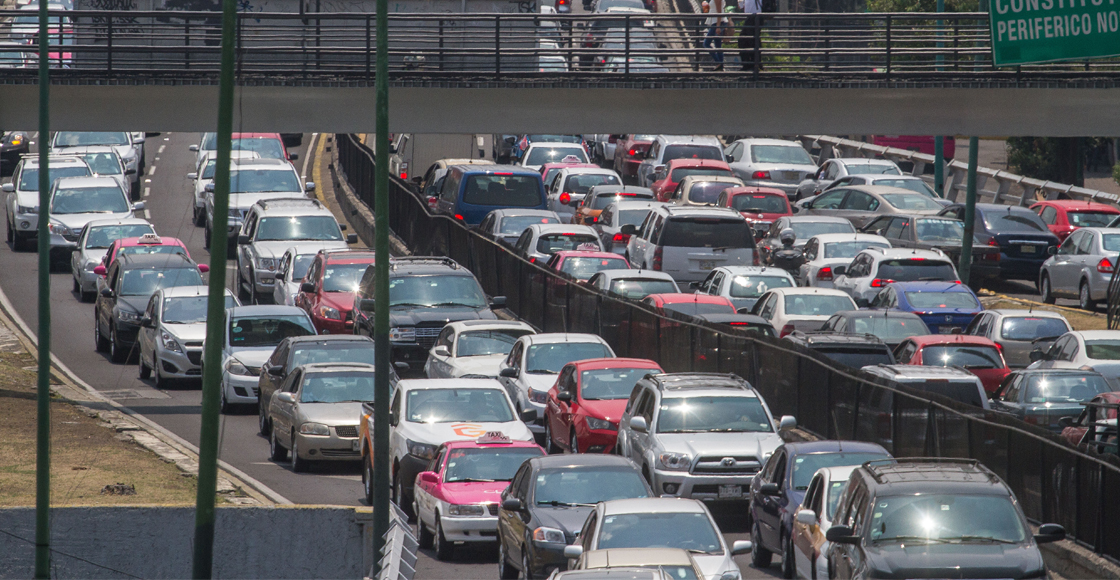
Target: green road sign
[1031, 31]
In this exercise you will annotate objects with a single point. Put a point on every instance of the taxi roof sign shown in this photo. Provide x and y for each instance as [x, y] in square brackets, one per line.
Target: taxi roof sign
[150, 239]
[494, 437]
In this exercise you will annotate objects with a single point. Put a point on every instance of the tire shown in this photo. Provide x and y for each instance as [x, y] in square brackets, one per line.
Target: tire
[199, 217]
[145, 370]
[263, 425]
[573, 443]
[760, 557]
[298, 465]
[1084, 298]
[99, 342]
[226, 408]
[10, 235]
[367, 479]
[1045, 291]
[789, 566]
[423, 536]
[276, 452]
[253, 298]
[442, 547]
[526, 568]
[549, 447]
[19, 243]
[157, 377]
[206, 237]
[117, 353]
[242, 293]
[505, 570]
[77, 289]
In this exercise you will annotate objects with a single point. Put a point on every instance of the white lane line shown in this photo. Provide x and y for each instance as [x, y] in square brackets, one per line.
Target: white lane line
[161, 148]
[147, 191]
[147, 181]
[308, 153]
[147, 214]
[152, 171]
[167, 138]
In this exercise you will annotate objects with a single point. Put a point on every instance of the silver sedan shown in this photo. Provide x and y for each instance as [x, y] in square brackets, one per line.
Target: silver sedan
[93, 242]
[1081, 267]
[172, 329]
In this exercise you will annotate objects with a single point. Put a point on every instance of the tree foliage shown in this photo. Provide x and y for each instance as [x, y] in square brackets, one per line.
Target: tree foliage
[921, 5]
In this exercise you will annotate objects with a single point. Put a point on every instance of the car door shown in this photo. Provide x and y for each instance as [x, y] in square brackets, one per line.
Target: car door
[877, 226]
[1007, 397]
[859, 207]
[245, 252]
[517, 523]
[898, 232]
[269, 383]
[424, 492]
[803, 534]
[1063, 266]
[640, 442]
[827, 203]
[146, 337]
[852, 275]
[560, 412]
[306, 300]
[513, 388]
[1085, 260]
[105, 303]
[554, 191]
[439, 366]
[281, 412]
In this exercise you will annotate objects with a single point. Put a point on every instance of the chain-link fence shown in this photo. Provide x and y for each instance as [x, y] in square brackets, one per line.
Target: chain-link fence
[1054, 482]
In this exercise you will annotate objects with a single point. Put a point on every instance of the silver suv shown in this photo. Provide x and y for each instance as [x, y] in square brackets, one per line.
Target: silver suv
[251, 180]
[688, 242]
[699, 435]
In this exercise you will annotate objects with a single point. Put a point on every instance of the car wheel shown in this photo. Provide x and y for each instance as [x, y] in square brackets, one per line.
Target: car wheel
[116, 350]
[1045, 291]
[760, 557]
[442, 547]
[77, 289]
[11, 236]
[253, 298]
[276, 452]
[199, 217]
[549, 447]
[262, 420]
[298, 465]
[206, 237]
[1084, 298]
[367, 478]
[505, 570]
[423, 535]
[145, 370]
[789, 567]
[573, 443]
[227, 408]
[159, 381]
[99, 342]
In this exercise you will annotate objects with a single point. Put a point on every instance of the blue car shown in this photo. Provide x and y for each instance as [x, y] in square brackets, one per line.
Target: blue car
[469, 192]
[945, 307]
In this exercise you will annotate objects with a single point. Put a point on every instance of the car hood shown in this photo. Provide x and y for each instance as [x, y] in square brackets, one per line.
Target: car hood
[416, 316]
[77, 221]
[569, 519]
[331, 413]
[187, 332]
[975, 560]
[610, 409]
[472, 492]
[94, 255]
[437, 433]
[478, 365]
[713, 565]
[252, 356]
[723, 444]
[244, 201]
[277, 248]
[540, 382]
[132, 303]
[27, 198]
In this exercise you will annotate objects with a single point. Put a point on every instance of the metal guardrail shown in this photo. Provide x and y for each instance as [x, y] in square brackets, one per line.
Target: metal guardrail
[399, 552]
[339, 46]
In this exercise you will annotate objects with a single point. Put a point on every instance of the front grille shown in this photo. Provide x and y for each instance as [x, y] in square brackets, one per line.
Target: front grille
[195, 356]
[426, 335]
[338, 453]
[715, 465]
[193, 344]
[350, 431]
[493, 508]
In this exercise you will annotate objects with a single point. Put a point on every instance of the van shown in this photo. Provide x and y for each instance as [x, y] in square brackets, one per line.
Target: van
[469, 192]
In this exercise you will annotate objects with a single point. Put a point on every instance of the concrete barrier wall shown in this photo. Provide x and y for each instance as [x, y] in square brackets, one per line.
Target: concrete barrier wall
[156, 542]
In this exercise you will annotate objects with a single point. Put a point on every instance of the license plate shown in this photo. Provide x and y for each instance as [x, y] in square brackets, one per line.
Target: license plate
[730, 491]
[354, 445]
[1028, 249]
[791, 175]
[947, 329]
[707, 264]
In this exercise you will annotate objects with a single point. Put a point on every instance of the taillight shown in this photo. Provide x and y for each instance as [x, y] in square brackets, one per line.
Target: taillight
[760, 175]
[459, 216]
[633, 152]
[404, 175]
[880, 282]
[657, 259]
[993, 242]
[786, 330]
[1104, 266]
[824, 274]
[621, 238]
[532, 260]
[565, 198]
[432, 201]
[738, 323]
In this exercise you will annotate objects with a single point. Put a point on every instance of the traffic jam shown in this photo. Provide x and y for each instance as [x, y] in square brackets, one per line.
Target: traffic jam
[566, 457]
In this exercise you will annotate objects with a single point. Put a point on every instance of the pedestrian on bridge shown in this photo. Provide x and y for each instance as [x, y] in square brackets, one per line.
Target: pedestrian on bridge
[713, 39]
[751, 23]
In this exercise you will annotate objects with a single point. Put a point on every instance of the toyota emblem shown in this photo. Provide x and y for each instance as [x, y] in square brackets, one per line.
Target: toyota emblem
[948, 318]
[728, 462]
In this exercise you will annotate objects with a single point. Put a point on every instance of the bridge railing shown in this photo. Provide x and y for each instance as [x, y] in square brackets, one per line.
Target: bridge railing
[339, 46]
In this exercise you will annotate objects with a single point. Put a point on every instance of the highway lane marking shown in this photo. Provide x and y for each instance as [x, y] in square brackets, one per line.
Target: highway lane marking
[147, 214]
[306, 157]
[320, 145]
[147, 191]
[152, 171]
[161, 148]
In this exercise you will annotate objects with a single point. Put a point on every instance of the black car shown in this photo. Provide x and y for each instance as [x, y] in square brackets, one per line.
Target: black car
[942, 233]
[891, 326]
[502, 147]
[547, 502]
[300, 350]
[425, 293]
[13, 144]
[129, 284]
[1024, 241]
[854, 350]
[778, 490]
[1043, 396]
[933, 518]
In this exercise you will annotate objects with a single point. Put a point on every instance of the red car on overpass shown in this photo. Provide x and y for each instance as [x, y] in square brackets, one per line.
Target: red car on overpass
[1064, 216]
[678, 169]
[975, 354]
[588, 399]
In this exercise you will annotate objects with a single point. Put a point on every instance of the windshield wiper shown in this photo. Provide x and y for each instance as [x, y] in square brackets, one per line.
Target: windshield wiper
[978, 539]
[913, 539]
[541, 372]
[408, 304]
[555, 503]
[698, 551]
[456, 304]
[472, 480]
[930, 279]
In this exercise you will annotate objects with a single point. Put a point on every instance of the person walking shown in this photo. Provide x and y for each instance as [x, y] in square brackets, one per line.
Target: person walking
[751, 23]
[713, 40]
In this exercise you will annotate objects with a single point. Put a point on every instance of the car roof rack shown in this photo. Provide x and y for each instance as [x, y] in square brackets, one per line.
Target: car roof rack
[903, 469]
[675, 381]
[395, 263]
[281, 202]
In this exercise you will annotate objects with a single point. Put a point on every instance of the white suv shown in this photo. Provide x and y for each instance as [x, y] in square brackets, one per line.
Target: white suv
[22, 194]
[688, 242]
[251, 180]
[827, 251]
[666, 148]
[874, 268]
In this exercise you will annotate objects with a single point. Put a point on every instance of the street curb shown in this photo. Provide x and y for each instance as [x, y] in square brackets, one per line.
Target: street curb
[1079, 311]
[360, 216]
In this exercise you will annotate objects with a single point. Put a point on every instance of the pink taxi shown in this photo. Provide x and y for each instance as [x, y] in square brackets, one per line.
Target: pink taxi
[457, 501]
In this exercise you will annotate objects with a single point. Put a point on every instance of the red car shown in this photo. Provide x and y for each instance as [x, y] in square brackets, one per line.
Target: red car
[760, 205]
[549, 170]
[1099, 410]
[583, 265]
[588, 399]
[678, 169]
[327, 291]
[975, 354]
[1066, 215]
[628, 154]
[146, 244]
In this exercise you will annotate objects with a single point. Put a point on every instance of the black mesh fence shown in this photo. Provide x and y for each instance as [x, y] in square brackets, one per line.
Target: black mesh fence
[1053, 481]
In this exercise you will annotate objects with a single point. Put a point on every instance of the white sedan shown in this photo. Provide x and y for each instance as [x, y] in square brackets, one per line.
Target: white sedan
[1099, 350]
[473, 348]
[826, 251]
[814, 517]
[806, 309]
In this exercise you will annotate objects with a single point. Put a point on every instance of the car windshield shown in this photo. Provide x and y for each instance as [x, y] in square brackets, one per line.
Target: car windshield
[680, 173]
[266, 147]
[304, 227]
[343, 277]
[89, 200]
[872, 168]
[552, 243]
[1013, 220]
[208, 171]
[300, 265]
[587, 485]
[713, 414]
[946, 518]
[835, 488]
[632, 217]
[152, 249]
[939, 230]
[792, 154]
[337, 387]
[891, 330]
[915, 269]
[189, 309]
[604, 5]
[760, 203]
[503, 190]
[858, 357]
[1090, 219]
[497, 463]
[144, 282]
[602, 201]
[637, 288]
[1060, 388]
[1102, 349]
[257, 331]
[103, 163]
[969, 356]
[450, 405]
[555, 154]
[817, 305]
[688, 531]
[264, 181]
[700, 232]
[708, 191]
[584, 268]
[101, 237]
[550, 358]
[849, 249]
[581, 183]
[553, 138]
[805, 465]
[806, 230]
[924, 300]
[80, 138]
[911, 201]
[755, 286]
[29, 178]
[915, 185]
[487, 342]
[697, 308]
[691, 152]
[1111, 242]
[610, 384]
[436, 290]
[340, 351]
[1032, 327]
[517, 223]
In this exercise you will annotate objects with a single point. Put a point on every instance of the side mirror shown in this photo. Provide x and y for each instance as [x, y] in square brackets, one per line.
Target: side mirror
[401, 366]
[639, 424]
[243, 240]
[342, 227]
[1052, 250]
[428, 477]
[417, 180]
[498, 302]
[192, 176]
[786, 423]
[309, 288]
[393, 419]
[441, 350]
[512, 504]
[573, 552]
[99, 270]
[807, 517]
[367, 304]
[351, 238]
[508, 372]
[130, 171]
[695, 285]
[193, 148]
[9, 188]
[209, 188]
[1049, 533]
[285, 398]
[839, 271]
[204, 268]
[529, 415]
[138, 206]
[1037, 355]
[293, 156]
[769, 489]
[309, 186]
[629, 230]
[807, 205]
[564, 396]
[276, 371]
[841, 535]
[107, 292]
[146, 322]
[1065, 422]
[740, 547]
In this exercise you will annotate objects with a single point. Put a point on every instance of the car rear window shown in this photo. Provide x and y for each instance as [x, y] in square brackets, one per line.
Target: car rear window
[632, 217]
[263, 180]
[487, 342]
[755, 286]
[555, 154]
[817, 304]
[1090, 219]
[780, 154]
[858, 357]
[29, 179]
[760, 203]
[915, 201]
[696, 308]
[969, 356]
[1060, 388]
[583, 183]
[805, 230]
[639, 288]
[503, 190]
[873, 168]
[925, 300]
[105, 163]
[1013, 220]
[1111, 242]
[691, 152]
[1032, 327]
[1102, 349]
[915, 185]
[961, 391]
[939, 230]
[849, 249]
[707, 191]
[707, 233]
[552, 243]
[602, 201]
[889, 329]
[680, 173]
[517, 224]
[916, 269]
[584, 268]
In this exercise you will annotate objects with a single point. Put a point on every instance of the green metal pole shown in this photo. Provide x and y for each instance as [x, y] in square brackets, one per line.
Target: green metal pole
[43, 430]
[381, 288]
[939, 141]
[203, 566]
[969, 211]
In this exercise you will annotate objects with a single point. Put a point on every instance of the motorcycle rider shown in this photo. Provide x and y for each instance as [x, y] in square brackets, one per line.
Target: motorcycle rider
[788, 258]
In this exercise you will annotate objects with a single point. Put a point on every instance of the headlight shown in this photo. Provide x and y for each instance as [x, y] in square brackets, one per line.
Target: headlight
[730, 575]
[538, 397]
[674, 461]
[266, 263]
[58, 229]
[331, 313]
[466, 510]
[126, 316]
[234, 213]
[90, 265]
[314, 429]
[27, 209]
[421, 450]
[603, 424]
[169, 342]
[402, 334]
[550, 535]
[234, 367]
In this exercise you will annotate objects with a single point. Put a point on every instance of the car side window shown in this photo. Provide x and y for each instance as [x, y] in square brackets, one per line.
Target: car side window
[523, 241]
[445, 338]
[152, 311]
[1049, 215]
[633, 399]
[1069, 246]
[767, 310]
[859, 509]
[566, 382]
[878, 225]
[1070, 350]
[646, 408]
[655, 230]
[811, 249]
[735, 152]
[291, 384]
[604, 217]
[830, 199]
[985, 325]
[860, 201]
[1085, 244]
[905, 352]
[894, 231]
[833, 171]
[1013, 390]
[520, 486]
[779, 474]
[395, 409]
[768, 469]
[588, 531]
